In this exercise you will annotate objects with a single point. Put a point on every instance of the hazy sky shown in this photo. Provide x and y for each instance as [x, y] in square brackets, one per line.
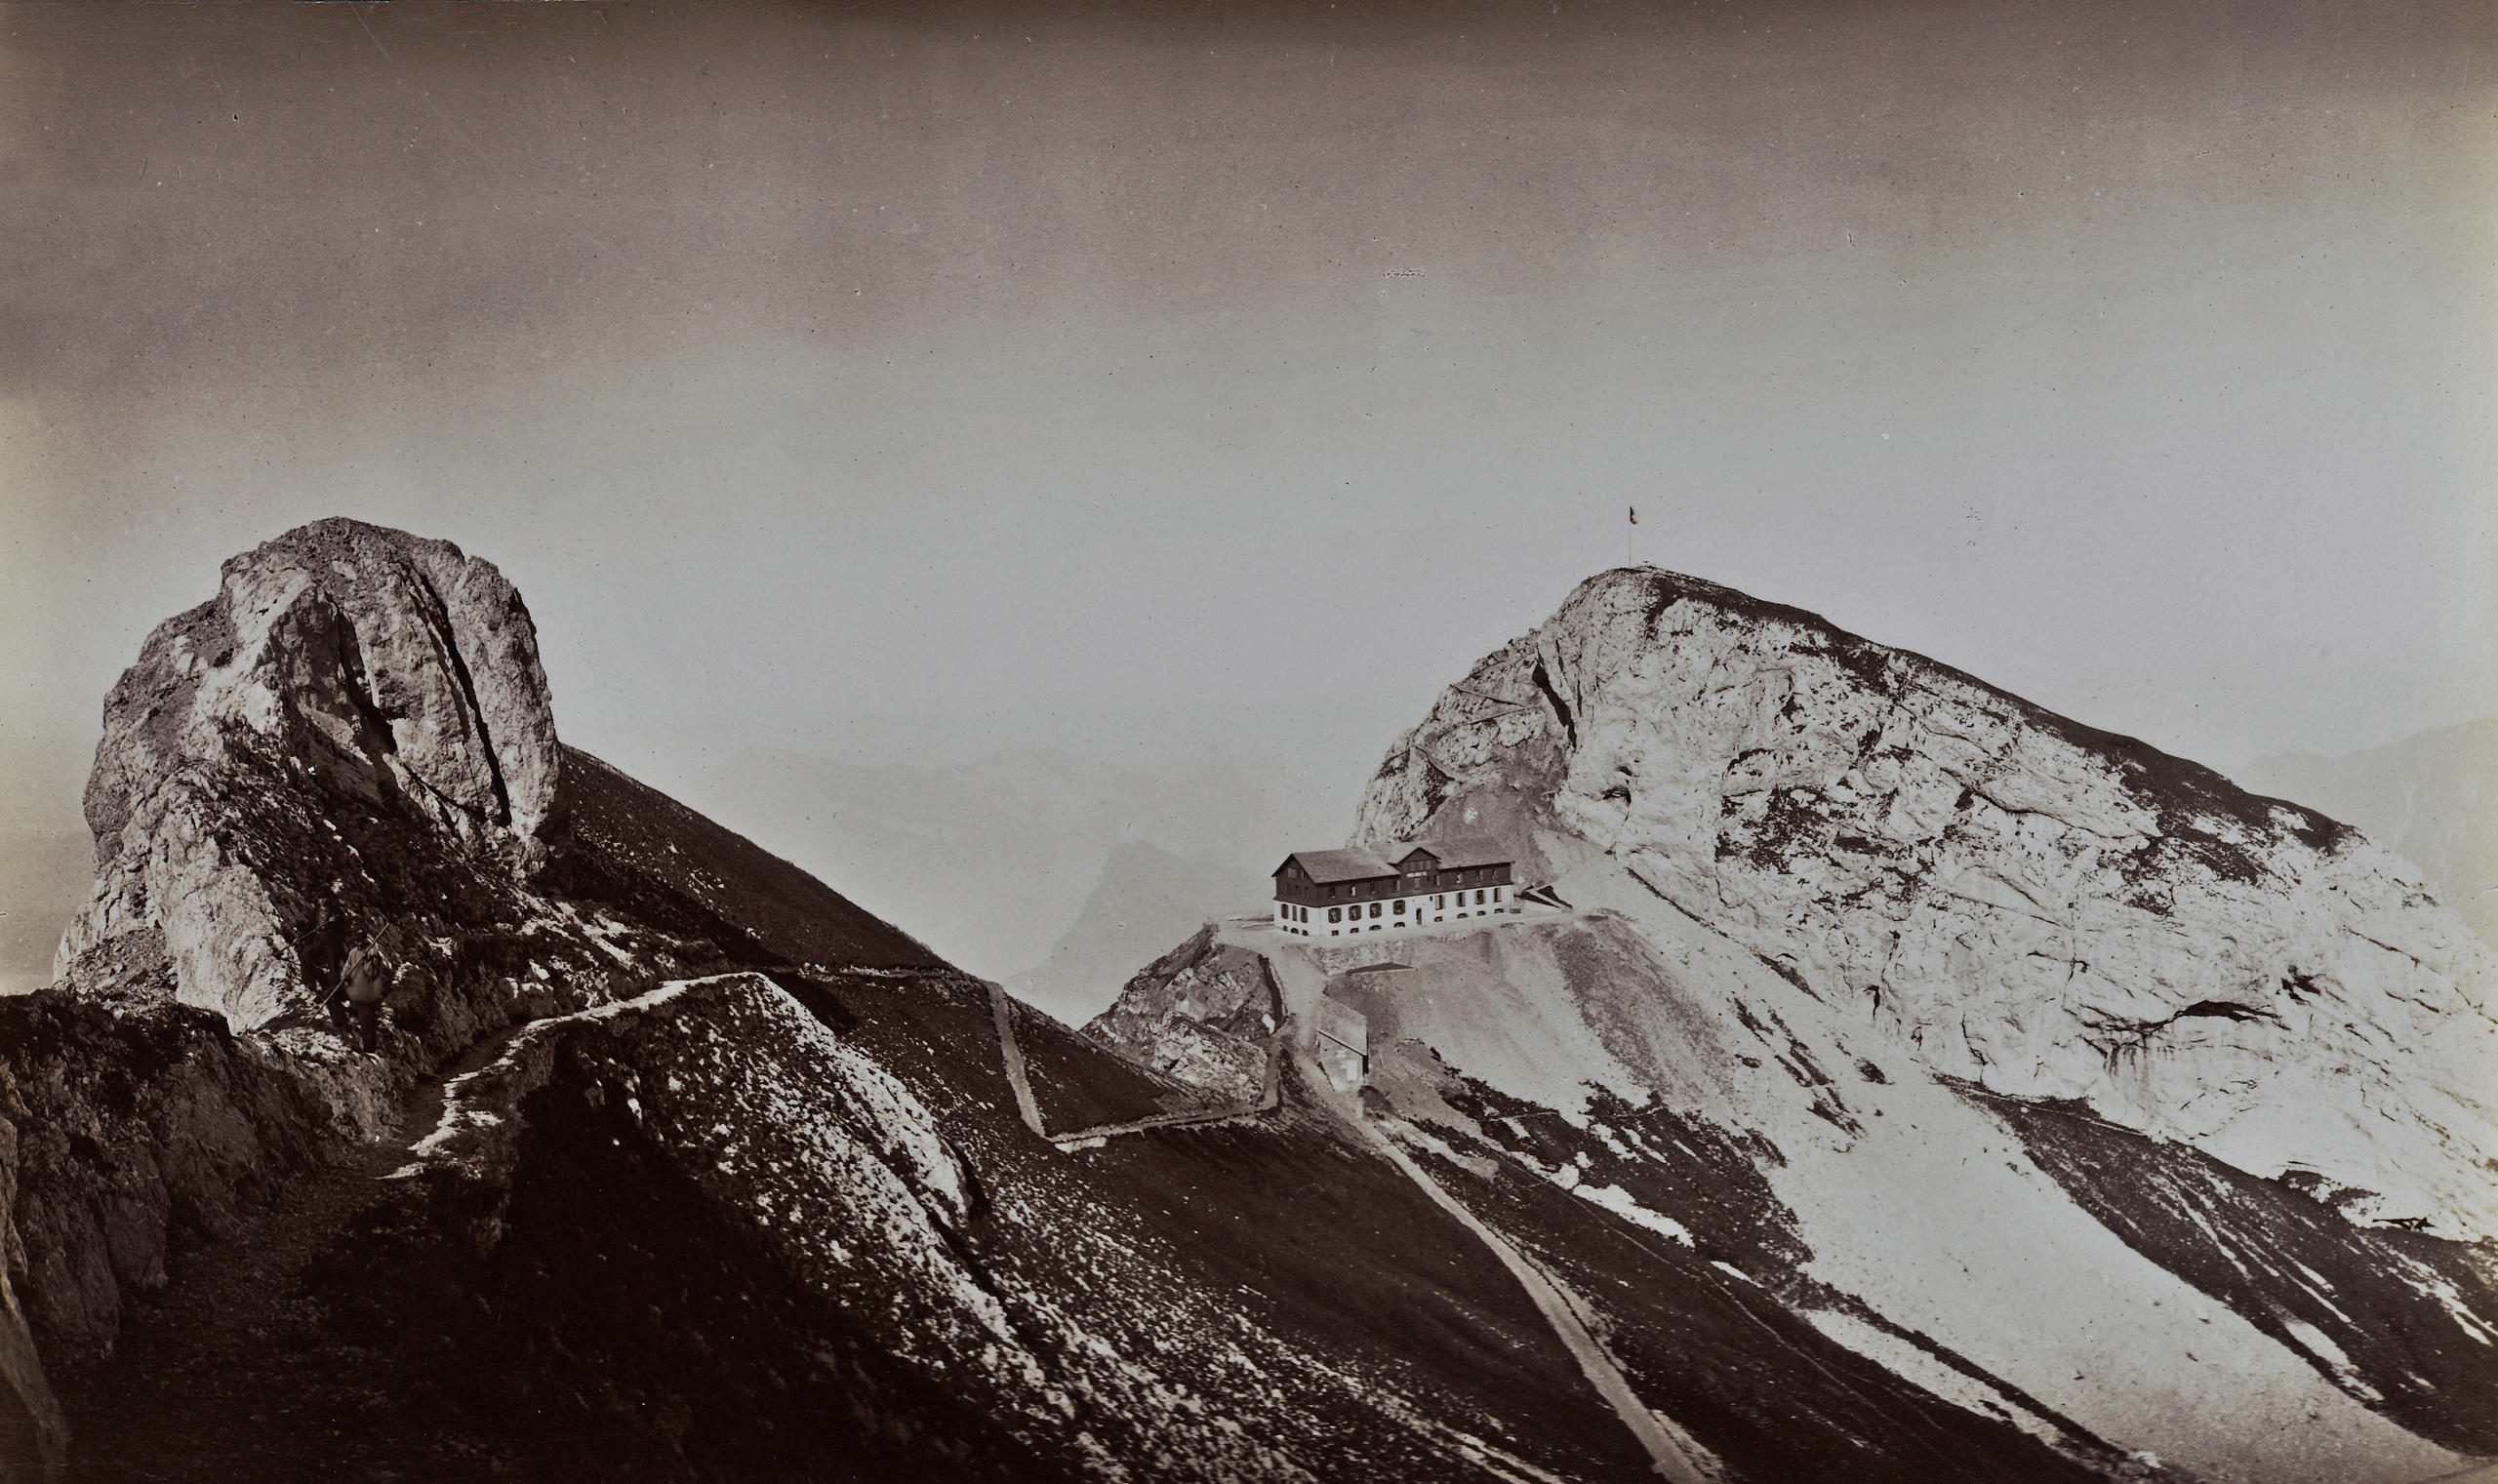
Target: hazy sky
[1176, 375]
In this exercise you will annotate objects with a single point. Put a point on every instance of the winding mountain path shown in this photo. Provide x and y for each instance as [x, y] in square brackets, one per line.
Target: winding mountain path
[1672, 1460]
[1001, 1007]
[1294, 973]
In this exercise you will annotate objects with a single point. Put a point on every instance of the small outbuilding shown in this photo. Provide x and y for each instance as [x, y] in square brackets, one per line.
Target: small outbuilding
[1343, 1043]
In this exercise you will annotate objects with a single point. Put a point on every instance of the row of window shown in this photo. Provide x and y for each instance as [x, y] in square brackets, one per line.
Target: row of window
[1357, 888]
[1439, 903]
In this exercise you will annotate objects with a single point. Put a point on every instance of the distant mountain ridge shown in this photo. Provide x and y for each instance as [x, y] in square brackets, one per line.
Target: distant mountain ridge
[2431, 798]
[1146, 897]
[992, 859]
[44, 877]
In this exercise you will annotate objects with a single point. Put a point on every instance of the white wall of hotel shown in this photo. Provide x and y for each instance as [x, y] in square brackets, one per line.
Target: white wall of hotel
[1419, 910]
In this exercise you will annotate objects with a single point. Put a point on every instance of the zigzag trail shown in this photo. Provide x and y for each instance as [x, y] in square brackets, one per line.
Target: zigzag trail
[1655, 1435]
[1000, 1005]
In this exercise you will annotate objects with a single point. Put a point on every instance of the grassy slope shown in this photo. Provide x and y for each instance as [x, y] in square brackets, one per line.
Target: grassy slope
[638, 850]
[626, 1327]
[1316, 1244]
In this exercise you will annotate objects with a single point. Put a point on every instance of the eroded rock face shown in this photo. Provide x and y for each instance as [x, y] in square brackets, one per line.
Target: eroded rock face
[351, 743]
[34, 1438]
[2018, 900]
[341, 660]
[1201, 1013]
[137, 1131]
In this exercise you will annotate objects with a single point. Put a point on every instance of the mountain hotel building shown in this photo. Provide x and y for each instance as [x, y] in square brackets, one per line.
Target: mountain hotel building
[1337, 893]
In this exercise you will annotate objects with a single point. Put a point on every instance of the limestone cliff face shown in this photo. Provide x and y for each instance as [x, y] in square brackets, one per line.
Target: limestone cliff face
[131, 1132]
[341, 660]
[2015, 900]
[351, 741]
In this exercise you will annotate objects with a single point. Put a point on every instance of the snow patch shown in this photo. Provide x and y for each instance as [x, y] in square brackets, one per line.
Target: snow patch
[1617, 1200]
[2319, 1345]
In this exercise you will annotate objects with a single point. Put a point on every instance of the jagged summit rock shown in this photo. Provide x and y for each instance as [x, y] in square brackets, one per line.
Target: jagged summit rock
[340, 660]
[2041, 908]
[352, 741]
[400, 653]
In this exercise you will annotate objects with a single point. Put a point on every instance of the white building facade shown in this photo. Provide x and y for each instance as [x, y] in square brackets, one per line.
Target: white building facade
[1340, 893]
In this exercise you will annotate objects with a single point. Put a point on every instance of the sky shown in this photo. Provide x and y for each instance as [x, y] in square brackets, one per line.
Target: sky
[1147, 378]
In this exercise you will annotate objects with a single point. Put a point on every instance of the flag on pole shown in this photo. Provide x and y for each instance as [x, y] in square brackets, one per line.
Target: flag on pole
[1634, 515]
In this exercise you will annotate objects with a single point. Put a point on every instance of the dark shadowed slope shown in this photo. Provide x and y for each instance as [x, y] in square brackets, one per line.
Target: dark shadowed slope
[1233, 1302]
[1709, 1330]
[2391, 1317]
[605, 1303]
[650, 855]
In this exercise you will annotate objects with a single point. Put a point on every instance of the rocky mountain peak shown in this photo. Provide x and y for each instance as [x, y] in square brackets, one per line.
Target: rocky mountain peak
[349, 744]
[2024, 902]
[661, 1160]
[403, 663]
[342, 663]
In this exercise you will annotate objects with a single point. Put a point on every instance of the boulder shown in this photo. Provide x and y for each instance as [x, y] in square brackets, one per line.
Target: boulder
[1201, 1013]
[340, 661]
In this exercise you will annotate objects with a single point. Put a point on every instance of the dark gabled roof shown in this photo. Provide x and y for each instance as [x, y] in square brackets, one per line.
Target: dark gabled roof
[1361, 862]
[1329, 866]
[1459, 852]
